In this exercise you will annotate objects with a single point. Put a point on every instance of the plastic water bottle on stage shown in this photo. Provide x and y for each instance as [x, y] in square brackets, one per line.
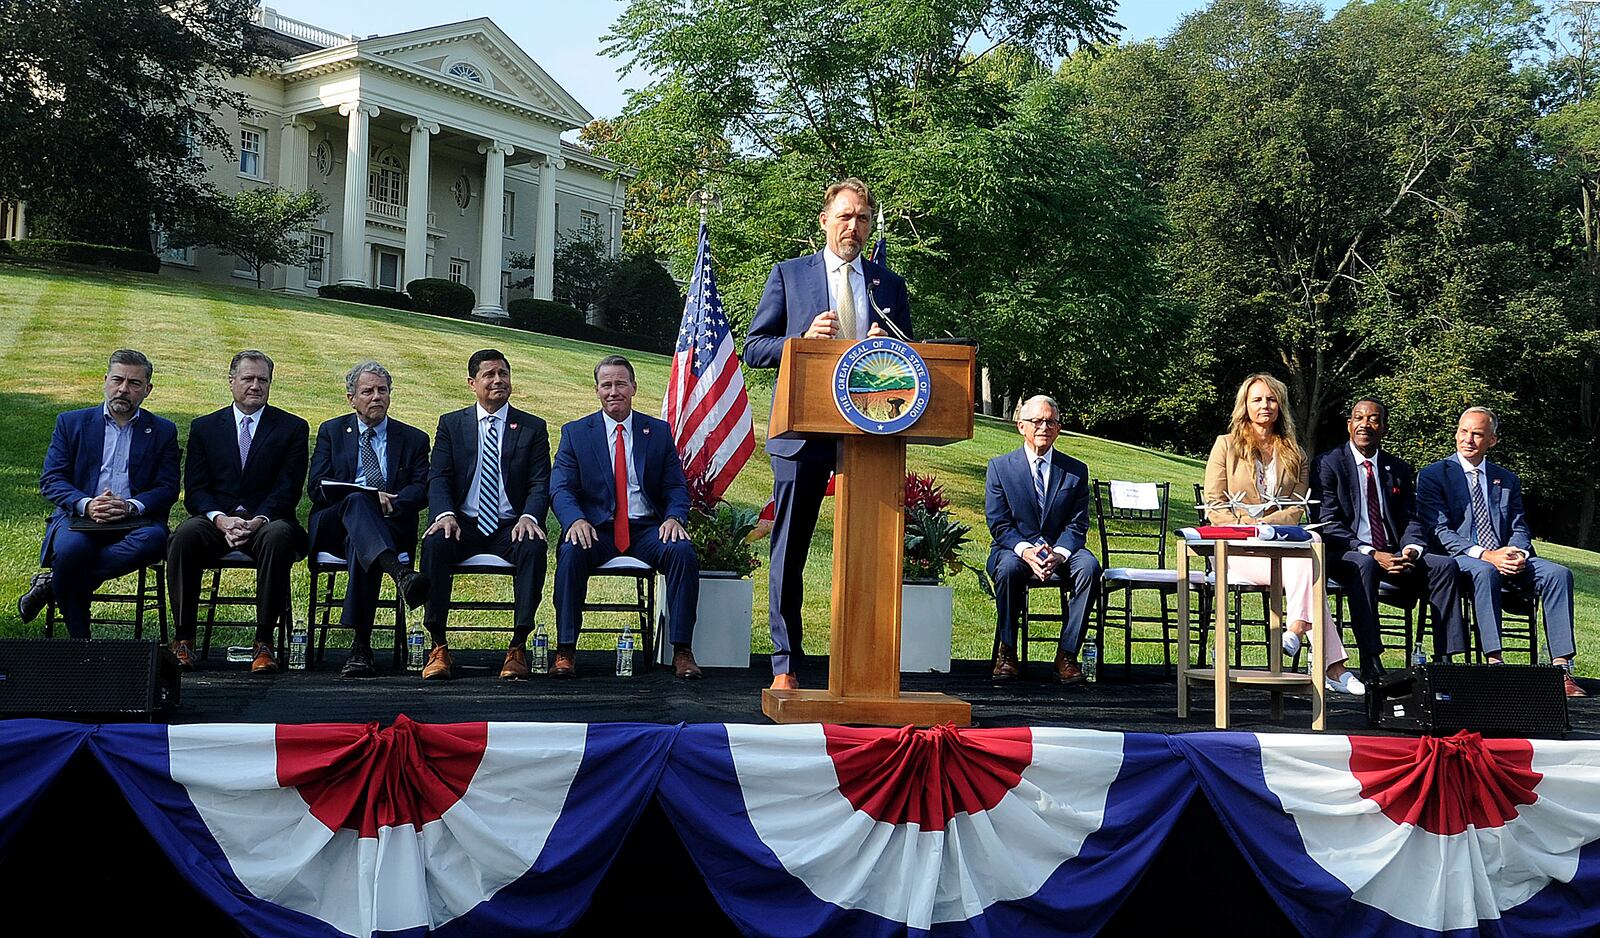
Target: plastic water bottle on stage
[416, 649]
[1419, 658]
[1091, 662]
[297, 648]
[540, 657]
[625, 653]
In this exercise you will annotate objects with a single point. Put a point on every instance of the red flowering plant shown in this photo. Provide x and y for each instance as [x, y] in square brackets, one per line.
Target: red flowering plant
[933, 538]
[720, 531]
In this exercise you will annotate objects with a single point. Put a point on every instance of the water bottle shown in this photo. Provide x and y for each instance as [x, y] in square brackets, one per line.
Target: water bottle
[625, 653]
[1091, 662]
[297, 648]
[416, 648]
[1419, 658]
[539, 656]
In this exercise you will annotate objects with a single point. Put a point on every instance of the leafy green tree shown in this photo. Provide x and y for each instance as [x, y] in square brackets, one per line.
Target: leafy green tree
[259, 226]
[641, 297]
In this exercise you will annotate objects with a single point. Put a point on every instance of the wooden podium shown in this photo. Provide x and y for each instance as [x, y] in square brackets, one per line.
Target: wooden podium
[868, 534]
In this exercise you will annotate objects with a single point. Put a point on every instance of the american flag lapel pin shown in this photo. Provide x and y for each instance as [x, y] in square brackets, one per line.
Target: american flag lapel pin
[513, 426]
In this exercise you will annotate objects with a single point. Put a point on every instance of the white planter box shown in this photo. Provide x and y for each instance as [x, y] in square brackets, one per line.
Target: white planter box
[925, 614]
[722, 622]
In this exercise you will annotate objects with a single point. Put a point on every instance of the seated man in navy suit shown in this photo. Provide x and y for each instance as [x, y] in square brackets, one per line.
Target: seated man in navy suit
[1037, 503]
[242, 479]
[115, 464]
[369, 529]
[1473, 509]
[618, 488]
[1367, 506]
[836, 293]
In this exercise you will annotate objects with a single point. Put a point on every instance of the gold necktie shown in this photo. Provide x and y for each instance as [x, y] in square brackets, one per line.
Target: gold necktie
[847, 304]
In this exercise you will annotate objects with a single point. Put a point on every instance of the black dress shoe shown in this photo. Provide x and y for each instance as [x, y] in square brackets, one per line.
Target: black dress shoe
[413, 588]
[359, 664]
[31, 603]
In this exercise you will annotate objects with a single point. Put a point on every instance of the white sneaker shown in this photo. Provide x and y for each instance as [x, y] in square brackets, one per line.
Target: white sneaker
[1291, 642]
[1347, 683]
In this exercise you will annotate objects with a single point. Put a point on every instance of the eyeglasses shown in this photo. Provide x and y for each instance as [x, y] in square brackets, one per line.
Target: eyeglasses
[1039, 423]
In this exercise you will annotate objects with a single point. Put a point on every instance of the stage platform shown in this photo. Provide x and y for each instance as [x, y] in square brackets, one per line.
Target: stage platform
[226, 693]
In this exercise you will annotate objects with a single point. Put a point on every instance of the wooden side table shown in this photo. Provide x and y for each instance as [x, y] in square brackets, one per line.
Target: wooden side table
[1273, 678]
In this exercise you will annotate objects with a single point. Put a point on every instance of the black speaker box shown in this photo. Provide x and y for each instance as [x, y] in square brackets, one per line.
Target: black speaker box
[1495, 700]
[75, 678]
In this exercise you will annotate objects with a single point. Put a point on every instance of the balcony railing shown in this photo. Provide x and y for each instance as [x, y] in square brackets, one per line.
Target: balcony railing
[392, 211]
[269, 18]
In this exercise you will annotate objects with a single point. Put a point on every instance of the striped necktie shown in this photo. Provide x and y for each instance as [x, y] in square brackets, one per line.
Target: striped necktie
[489, 479]
[1038, 485]
[1487, 538]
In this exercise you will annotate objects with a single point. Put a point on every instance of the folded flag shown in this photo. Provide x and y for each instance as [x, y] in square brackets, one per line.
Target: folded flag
[1239, 532]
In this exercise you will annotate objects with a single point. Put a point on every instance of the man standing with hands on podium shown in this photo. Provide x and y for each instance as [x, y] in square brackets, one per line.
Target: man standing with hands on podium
[835, 293]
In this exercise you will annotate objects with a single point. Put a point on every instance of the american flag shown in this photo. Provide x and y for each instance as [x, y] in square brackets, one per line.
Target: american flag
[706, 404]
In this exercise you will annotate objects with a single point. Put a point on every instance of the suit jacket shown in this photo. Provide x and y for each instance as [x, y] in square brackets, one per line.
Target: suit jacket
[796, 291]
[1226, 473]
[268, 484]
[583, 484]
[524, 463]
[1339, 486]
[1012, 507]
[405, 472]
[72, 467]
[1444, 507]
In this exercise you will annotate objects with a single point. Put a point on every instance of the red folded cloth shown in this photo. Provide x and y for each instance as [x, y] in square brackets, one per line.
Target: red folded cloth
[1227, 532]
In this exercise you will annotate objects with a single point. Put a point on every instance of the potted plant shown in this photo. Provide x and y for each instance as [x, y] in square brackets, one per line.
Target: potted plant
[933, 549]
[723, 538]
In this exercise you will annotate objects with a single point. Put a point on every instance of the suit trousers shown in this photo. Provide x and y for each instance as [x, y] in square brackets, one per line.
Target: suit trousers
[80, 562]
[1548, 580]
[677, 562]
[1079, 586]
[798, 486]
[1433, 576]
[197, 544]
[527, 558]
[355, 529]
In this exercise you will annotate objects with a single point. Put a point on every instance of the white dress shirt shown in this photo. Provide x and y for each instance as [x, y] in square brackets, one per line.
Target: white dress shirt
[1482, 469]
[638, 505]
[255, 430]
[499, 418]
[858, 288]
[1044, 472]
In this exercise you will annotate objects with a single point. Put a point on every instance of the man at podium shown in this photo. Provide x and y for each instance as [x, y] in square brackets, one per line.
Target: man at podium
[835, 293]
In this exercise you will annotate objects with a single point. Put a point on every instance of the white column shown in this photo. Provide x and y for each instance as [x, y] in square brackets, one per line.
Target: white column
[22, 220]
[417, 199]
[612, 245]
[352, 246]
[294, 149]
[491, 253]
[544, 230]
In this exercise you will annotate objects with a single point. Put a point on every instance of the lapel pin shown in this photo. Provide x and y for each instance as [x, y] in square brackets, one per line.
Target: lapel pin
[513, 426]
[147, 429]
[646, 431]
[349, 430]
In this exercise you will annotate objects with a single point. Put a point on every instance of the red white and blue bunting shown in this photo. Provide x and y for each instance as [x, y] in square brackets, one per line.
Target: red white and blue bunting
[501, 828]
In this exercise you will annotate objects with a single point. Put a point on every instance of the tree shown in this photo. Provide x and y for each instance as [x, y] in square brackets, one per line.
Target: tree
[642, 298]
[107, 105]
[583, 266]
[258, 226]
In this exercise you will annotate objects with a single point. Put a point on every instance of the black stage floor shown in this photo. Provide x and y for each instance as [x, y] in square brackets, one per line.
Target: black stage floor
[226, 693]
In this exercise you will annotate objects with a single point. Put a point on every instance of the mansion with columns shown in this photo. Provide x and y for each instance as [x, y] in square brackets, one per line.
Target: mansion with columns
[438, 152]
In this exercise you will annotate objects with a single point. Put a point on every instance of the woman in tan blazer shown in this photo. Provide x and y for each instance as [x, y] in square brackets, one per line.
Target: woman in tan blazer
[1260, 458]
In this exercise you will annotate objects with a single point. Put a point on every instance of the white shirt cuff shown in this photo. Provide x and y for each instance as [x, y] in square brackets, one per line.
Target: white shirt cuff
[1367, 549]
[531, 518]
[1413, 550]
[1022, 548]
[212, 515]
[1063, 552]
[1475, 551]
[136, 505]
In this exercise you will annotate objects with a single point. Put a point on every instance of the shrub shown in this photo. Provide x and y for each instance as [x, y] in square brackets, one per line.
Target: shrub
[440, 296]
[723, 534]
[933, 538]
[367, 295]
[79, 252]
[551, 318]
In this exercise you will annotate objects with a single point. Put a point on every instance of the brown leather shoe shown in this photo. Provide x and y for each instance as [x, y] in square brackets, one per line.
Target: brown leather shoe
[439, 666]
[784, 682]
[1005, 664]
[183, 650]
[1066, 669]
[683, 664]
[515, 667]
[263, 662]
[566, 662]
[1571, 686]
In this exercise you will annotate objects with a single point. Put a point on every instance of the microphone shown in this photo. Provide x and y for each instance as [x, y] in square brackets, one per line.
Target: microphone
[883, 317]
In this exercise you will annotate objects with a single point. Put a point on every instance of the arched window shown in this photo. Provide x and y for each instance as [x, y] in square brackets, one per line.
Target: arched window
[466, 70]
[385, 178]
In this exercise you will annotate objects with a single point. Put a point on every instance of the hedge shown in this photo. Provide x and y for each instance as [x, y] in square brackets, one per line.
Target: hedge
[551, 318]
[79, 252]
[367, 295]
[440, 296]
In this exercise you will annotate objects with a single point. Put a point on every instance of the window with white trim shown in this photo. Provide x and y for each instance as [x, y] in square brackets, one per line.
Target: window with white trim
[388, 274]
[316, 256]
[467, 71]
[589, 222]
[252, 143]
[458, 270]
[508, 214]
[385, 178]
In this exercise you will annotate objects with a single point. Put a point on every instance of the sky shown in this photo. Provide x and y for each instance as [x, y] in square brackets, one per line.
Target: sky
[563, 36]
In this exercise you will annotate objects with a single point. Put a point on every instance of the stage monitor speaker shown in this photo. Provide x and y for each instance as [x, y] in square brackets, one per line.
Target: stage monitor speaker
[1495, 700]
[74, 678]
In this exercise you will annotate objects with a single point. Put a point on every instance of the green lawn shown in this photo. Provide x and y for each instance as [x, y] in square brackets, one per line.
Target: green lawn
[56, 329]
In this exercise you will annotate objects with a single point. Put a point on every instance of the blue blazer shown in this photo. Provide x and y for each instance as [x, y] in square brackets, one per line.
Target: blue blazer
[1340, 490]
[524, 463]
[1012, 508]
[405, 473]
[583, 482]
[796, 292]
[1444, 506]
[72, 466]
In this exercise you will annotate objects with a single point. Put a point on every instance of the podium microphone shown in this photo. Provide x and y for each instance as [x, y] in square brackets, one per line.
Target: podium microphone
[884, 317]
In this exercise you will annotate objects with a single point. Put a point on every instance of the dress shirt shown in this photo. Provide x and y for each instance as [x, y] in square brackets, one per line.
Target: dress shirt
[114, 462]
[1044, 472]
[380, 446]
[255, 430]
[858, 288]
[638, 505]
[1363, 526]
[1476, 550]
[499, 417]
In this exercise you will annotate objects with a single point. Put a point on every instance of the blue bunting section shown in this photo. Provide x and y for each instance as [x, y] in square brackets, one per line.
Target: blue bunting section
[505, 828]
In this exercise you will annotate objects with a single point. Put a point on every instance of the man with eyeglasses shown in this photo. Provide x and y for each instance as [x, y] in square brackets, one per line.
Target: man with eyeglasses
[1036, 500]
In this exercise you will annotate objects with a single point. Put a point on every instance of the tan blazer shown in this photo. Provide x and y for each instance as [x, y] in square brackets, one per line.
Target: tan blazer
[1226, 473]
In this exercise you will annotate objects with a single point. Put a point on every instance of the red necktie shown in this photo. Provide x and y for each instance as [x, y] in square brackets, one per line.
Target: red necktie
[620, 467]
[1380, 537]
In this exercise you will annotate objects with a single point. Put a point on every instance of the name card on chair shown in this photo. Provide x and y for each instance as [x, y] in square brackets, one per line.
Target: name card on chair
[1135, 496]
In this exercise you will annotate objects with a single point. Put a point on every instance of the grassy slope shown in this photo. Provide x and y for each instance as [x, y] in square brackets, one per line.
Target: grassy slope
[56, 329]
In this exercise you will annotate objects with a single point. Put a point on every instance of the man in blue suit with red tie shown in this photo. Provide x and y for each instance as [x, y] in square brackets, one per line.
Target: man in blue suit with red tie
[1473, 509]
[836, 293]
[617, 487]
[1036, 500]
[115, 465]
